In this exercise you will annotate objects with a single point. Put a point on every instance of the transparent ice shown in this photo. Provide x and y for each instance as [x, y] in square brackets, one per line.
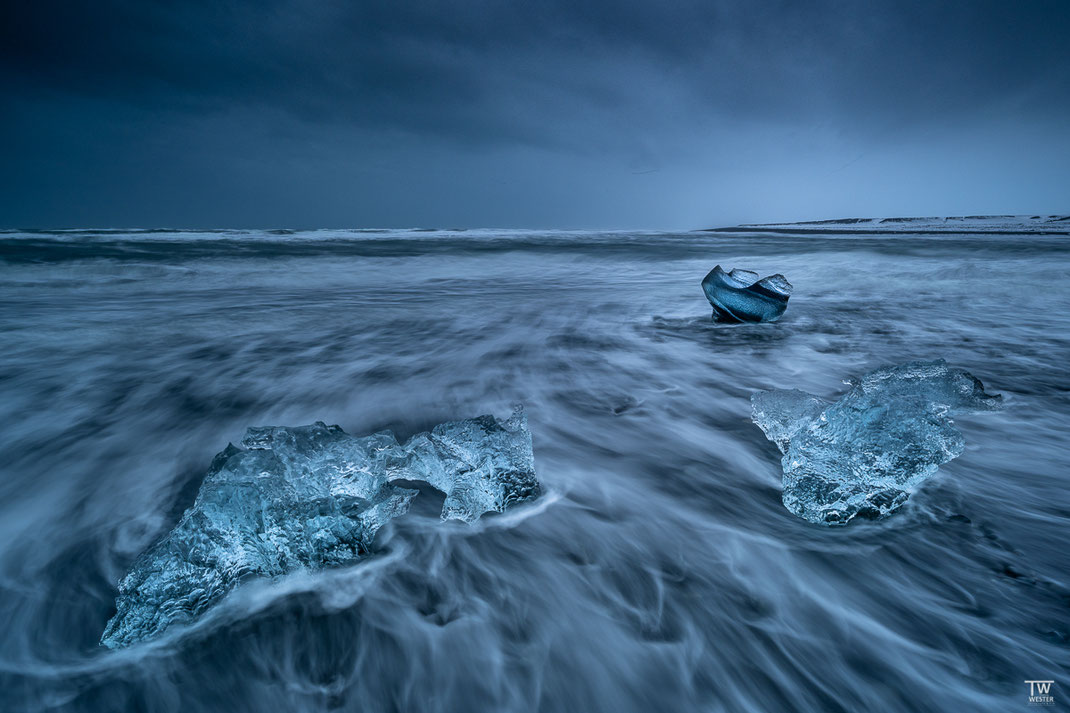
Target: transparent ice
[312, 497]
[863, 454]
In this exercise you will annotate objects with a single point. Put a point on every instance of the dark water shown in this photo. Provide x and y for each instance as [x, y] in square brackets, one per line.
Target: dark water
[660, 572]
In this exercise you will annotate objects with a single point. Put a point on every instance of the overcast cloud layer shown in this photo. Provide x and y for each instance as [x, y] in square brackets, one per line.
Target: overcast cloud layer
[541, 114]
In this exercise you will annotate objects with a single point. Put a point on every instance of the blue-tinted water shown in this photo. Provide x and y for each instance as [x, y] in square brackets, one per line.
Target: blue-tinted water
[660, 572]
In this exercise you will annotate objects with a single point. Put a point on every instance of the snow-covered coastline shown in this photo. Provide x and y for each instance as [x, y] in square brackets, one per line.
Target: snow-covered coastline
[1000, 224]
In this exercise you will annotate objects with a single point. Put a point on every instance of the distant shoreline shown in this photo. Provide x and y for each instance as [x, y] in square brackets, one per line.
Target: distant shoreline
[871, 231]
[964, 225]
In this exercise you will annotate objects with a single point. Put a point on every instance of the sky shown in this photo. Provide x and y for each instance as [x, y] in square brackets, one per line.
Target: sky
[671, 114]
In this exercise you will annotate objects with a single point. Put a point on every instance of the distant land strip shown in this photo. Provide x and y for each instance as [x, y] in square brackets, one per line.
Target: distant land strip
[957, 225]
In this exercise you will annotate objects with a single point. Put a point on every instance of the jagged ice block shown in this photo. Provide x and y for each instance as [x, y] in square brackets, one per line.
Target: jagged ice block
[312, 497]
[863, 454]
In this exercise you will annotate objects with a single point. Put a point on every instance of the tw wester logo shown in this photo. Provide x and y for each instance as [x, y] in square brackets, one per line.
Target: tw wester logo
[1040, 693]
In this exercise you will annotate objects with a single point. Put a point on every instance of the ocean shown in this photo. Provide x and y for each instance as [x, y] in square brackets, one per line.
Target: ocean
[659, 569]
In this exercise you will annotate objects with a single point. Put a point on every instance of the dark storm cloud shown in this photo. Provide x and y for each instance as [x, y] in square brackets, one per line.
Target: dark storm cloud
[638, 82]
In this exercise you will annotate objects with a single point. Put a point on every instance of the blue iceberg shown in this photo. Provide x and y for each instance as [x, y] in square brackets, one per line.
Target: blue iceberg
[739, 296]
[863, 455]
[312, 497]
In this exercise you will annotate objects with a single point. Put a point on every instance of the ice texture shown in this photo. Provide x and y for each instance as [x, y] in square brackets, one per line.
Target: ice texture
[864, 454]
[312, 497]
[739, 296]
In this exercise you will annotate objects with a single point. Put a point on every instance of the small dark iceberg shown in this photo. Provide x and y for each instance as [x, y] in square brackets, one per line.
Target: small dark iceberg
[739, 296]
[312, 497]
[863, 455]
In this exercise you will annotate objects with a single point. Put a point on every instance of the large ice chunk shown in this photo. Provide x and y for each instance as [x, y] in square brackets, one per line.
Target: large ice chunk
[739, 296]
[312, 497]
[863, 454]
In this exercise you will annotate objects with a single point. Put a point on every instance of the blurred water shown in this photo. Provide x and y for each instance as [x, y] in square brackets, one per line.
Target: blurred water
[660, 572]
